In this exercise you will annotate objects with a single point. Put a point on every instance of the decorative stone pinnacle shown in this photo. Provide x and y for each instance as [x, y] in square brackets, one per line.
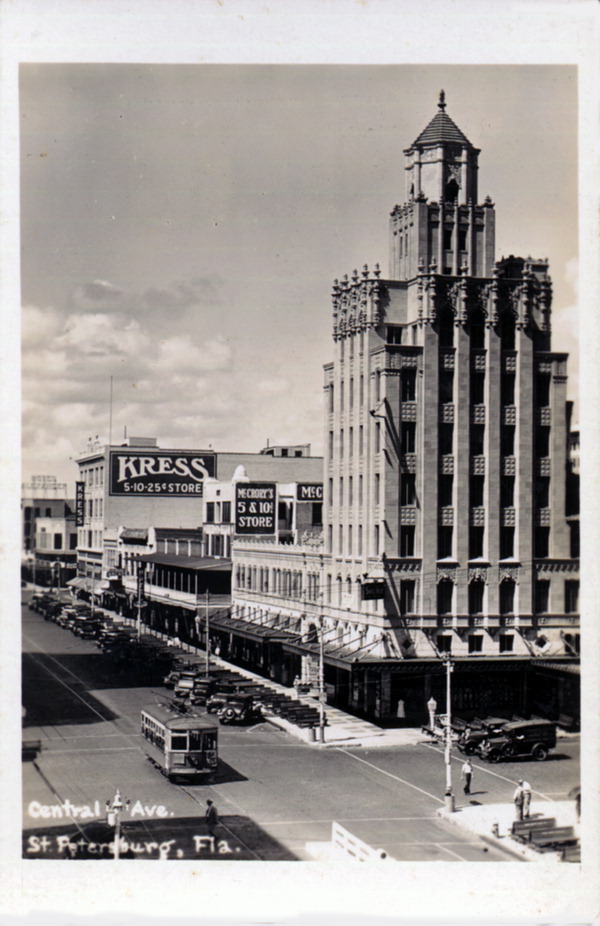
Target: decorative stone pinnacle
[377, 271]
[442, 102]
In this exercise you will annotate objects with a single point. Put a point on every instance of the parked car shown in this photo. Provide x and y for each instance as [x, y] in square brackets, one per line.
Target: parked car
[88, 628]
[185, 685]
[40, 599]
[50, 609]
[234, 708]
[178, 669]
[533, 738]
[473, 735]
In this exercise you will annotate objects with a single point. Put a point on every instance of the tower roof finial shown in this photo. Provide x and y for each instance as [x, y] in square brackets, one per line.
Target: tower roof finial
[442, 102]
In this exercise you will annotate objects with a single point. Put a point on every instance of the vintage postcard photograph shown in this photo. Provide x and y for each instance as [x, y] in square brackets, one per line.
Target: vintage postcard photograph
[300, 409]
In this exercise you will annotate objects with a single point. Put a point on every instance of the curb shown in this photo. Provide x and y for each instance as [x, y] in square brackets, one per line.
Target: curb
[493, 841]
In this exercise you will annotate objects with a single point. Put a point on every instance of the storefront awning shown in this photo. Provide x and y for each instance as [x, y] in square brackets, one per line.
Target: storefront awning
[76, 582]
[88, 585]
[247, 629]
[195, 563]
[343, 657]
[572, 668]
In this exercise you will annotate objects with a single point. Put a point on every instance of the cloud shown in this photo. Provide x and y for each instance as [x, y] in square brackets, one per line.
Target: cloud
[572, 274]
[273, 386]
[99, 296]
[197, 291]
[101, 335]
[39, 326]
[180, 354]
[104, 296]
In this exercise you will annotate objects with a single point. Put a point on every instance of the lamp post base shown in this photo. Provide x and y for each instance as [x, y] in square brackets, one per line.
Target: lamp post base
[449, 803]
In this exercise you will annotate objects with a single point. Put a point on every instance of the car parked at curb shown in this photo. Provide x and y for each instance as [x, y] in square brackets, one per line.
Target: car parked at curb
[234, 708]
[533, 738]
[473, 735]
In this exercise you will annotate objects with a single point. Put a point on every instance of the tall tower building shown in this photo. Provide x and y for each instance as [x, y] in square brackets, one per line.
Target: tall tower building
[447, 433]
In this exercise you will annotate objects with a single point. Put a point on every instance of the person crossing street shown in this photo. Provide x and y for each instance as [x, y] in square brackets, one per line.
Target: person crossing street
[466, 774]
[211, 817]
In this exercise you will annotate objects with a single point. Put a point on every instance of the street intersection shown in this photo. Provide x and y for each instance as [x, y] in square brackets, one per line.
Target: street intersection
[276, 796]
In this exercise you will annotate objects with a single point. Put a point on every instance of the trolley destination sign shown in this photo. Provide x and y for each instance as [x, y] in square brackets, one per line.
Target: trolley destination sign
[161, 474]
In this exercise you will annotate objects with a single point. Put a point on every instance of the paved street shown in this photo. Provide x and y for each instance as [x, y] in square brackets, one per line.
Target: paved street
[274, 793]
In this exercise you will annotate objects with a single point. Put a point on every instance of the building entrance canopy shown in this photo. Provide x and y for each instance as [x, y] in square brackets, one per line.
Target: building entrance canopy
[251, 630]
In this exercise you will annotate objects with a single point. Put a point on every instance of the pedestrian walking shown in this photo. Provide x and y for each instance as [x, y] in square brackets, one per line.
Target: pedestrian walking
[526, 798]
[211, 817]
[466, 774]
[518, 800]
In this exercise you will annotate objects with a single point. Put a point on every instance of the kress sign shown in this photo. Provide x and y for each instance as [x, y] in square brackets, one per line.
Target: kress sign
[160, 473]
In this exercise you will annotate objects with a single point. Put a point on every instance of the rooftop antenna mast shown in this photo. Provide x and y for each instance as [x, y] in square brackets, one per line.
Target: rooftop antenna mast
[110, 413]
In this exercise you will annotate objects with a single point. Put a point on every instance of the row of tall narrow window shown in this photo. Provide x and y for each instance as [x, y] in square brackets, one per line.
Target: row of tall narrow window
[408, 390]
[476, 597]
[289, 583]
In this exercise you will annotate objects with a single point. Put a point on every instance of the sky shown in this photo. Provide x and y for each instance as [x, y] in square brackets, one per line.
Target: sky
[181, 226]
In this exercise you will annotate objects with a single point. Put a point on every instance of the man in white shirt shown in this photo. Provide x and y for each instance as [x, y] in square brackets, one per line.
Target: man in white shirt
[466, 774]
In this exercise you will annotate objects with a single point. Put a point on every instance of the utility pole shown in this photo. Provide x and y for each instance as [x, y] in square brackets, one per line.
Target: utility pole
[140, 594]
[448, 797]
[206, 671]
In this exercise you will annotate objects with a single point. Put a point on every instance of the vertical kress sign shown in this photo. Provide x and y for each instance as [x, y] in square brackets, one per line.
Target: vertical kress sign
[255, 507]
[79, 504]
[162, 474]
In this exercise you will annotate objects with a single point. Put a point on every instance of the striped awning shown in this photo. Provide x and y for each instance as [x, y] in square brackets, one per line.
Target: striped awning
[571, 668]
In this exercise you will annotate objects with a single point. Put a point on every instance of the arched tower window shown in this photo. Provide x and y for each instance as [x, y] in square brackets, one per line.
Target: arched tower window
[451, 191]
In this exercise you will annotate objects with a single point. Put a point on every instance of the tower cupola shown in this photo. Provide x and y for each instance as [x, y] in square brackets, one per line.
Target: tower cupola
[441, 226]
[441, 164]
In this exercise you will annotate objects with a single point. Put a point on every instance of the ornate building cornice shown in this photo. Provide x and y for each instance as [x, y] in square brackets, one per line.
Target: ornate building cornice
[357, 302]
[557, 565]
[527, 300]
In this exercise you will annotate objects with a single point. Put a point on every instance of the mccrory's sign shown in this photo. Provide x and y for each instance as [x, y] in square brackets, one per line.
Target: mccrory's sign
[160, 473]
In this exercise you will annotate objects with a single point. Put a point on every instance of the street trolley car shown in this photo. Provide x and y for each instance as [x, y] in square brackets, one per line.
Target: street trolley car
[181, 746]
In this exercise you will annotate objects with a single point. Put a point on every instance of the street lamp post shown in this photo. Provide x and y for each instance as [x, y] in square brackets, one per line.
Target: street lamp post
[114, 809]
[56, 575]
[448, 797]
[321, 684]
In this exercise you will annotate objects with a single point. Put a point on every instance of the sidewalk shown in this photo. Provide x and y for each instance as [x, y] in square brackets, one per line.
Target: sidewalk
[342, 729]
[480, 820]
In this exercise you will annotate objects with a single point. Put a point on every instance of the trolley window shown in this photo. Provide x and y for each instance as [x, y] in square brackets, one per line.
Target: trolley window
[195, 739]
[179, 741]
[210, 740]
